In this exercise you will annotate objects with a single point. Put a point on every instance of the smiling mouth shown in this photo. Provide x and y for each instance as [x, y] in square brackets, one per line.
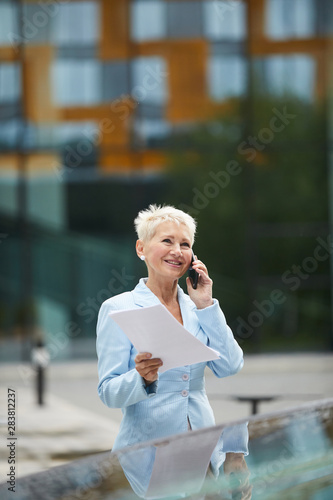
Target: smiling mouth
[173, 263]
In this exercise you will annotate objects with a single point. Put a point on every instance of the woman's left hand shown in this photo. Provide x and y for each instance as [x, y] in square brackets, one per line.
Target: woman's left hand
[202, 296]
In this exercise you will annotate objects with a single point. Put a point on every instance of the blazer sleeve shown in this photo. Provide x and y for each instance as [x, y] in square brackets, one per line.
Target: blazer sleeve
[220, 338]
[119, 384]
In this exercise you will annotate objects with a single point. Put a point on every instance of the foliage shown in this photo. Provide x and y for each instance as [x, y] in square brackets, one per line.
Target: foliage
[256, 182]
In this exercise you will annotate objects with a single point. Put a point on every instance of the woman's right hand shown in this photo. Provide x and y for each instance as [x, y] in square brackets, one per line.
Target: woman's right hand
[147, 366]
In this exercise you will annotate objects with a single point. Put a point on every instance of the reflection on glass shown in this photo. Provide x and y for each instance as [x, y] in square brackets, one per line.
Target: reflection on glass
[286, 19]
[179, 467]
[293, 454]
[76, 82]
[224, 19]
[289, 455]
[293, 74]
[227, 76]
[148, 20]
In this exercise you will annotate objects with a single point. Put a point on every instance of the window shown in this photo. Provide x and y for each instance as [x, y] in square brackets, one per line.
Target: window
[151, 132]
[148, 20]
[115, 79]
[293, 75]
[149, 77]
[77, 23]
[77, 82]
[9, 134]
[226, 76]
[9, 33]
[224, 19]
[285, 19]
[10, 83]
[184, 19]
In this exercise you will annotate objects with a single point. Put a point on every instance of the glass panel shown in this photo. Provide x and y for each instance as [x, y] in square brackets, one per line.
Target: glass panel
[326, 17]
[151, 133]
[148, 20]
[287, 74]
[115, 79]
[8, 23]
[285, 19]
[184, 19]
[224, 19]
[8, 202]
[9, 130]
[76, 82]
[68, 31]
[10, 82]
[282, 455]
[149, 80]
[37, 23]
[227, 76]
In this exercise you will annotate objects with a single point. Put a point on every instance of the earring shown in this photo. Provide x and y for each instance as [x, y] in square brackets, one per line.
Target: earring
[143, 257]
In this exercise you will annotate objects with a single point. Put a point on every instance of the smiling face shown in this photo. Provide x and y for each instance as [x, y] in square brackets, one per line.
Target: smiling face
[168, 253]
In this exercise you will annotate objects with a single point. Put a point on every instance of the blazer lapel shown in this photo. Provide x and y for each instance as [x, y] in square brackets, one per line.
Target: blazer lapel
[143, 297]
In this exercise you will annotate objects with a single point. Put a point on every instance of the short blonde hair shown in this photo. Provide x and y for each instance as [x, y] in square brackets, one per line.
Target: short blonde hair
[147, 220]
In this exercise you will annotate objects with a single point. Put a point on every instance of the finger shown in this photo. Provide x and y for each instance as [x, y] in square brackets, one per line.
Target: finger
[199, 265]
[142, 356]
[149, 363]
[150, 374]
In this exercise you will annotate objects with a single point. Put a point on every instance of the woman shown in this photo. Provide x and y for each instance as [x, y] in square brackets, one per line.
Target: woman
[157, 405]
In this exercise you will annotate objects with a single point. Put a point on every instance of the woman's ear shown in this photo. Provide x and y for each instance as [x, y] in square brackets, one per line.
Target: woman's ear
[139, 248]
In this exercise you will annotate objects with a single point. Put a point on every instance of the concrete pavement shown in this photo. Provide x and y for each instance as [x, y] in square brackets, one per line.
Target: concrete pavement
[73, 422]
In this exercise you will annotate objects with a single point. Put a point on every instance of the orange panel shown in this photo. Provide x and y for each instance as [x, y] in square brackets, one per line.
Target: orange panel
[256, 18]
[120, 161]
[187, 80]
[114, 29]
[33, 163]
[152, 159]
[37, 84]
[160, 48]
[308, 46]
[43, 162]
[9, 162]
[8, 54]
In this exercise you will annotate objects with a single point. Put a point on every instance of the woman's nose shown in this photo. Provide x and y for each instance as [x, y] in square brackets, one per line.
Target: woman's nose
[176, 249]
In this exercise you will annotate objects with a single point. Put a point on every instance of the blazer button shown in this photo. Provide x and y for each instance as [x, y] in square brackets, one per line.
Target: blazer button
[184, 393]
[185, 376]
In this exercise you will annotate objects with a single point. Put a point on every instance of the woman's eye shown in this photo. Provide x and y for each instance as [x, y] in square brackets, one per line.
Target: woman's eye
[186, 245]
[167, 240]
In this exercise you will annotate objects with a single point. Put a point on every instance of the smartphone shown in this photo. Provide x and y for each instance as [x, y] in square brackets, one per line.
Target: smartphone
[193, 274]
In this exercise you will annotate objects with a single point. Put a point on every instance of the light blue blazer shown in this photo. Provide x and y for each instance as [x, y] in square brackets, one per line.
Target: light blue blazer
[178, 396]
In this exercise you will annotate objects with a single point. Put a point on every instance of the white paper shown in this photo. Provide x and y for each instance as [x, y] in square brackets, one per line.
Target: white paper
[153, 329]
